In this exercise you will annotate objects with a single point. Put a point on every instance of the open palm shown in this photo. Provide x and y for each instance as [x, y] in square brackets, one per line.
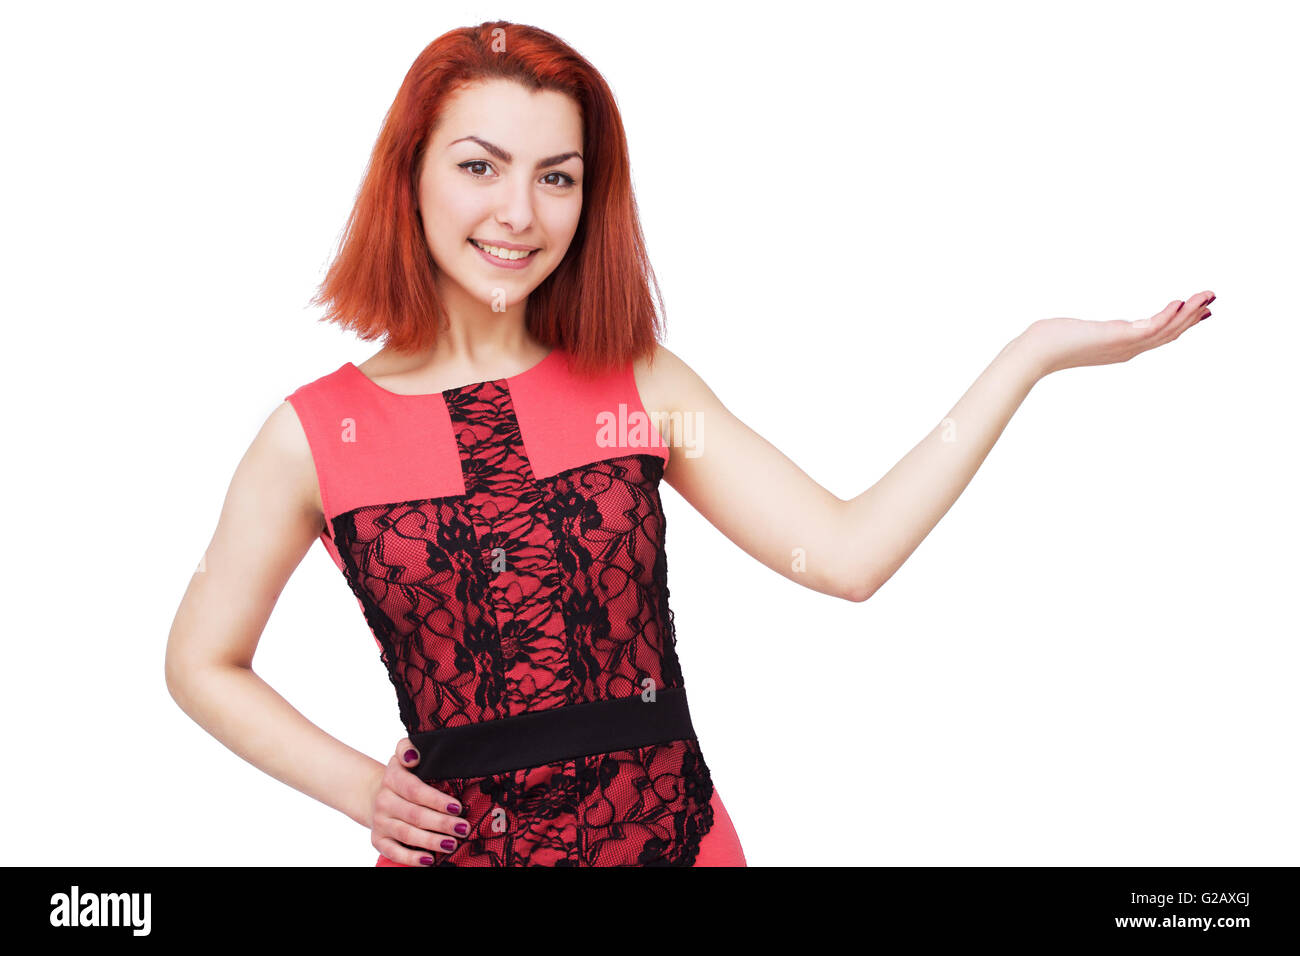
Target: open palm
[1071, 343]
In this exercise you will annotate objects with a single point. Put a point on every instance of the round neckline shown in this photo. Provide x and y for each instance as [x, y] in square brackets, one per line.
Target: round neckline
[455, 388]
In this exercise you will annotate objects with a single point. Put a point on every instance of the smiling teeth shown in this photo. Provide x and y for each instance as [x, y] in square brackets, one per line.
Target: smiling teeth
[503, 253]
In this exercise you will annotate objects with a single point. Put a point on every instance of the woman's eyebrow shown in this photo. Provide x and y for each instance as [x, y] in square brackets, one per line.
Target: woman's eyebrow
[505, 157]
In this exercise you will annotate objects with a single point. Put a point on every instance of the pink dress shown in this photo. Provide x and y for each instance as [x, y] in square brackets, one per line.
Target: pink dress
[505, 542]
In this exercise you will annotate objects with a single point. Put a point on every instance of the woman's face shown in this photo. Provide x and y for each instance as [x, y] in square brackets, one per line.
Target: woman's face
[503, 168]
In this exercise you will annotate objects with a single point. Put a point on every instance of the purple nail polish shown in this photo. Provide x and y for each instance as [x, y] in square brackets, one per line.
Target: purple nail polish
[410, 755]
[426, 861]
[453, 808]
[461, 828]
[449, 844]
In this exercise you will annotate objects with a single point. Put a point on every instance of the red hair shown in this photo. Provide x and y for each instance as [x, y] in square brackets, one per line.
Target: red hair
[596, 304]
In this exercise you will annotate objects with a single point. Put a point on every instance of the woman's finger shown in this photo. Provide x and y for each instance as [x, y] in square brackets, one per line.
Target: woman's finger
[416, 826]
[1166, 313]
[434, 821]
[1191, 313]
[434, 836]
[407, 785]
[403, 854]
[407, 753]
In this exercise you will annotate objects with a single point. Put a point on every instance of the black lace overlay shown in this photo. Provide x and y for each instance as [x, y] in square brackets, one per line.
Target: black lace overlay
[526, 594]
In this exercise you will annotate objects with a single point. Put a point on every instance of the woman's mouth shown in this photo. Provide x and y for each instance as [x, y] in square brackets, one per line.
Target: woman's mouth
[505, 258]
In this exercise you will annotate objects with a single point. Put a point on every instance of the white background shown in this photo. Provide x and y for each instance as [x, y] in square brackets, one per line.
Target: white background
[850, 208]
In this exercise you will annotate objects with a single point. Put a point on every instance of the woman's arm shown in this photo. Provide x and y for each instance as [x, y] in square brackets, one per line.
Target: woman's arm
[887, 522]
[772, 510]
[270, 518]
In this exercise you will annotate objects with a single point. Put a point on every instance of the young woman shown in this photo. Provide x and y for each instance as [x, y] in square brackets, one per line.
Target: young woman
[488, 484]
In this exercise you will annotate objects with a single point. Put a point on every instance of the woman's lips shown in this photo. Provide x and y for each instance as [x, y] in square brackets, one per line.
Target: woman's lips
[503, 263]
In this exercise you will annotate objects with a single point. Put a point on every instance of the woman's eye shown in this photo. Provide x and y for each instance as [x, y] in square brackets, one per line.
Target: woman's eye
[471, 165]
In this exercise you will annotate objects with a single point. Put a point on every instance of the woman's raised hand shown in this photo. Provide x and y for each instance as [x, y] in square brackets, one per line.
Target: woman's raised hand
[1070, 343]
[406, 810]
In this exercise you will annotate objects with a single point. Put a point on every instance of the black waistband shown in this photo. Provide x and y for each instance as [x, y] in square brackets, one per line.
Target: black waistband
[558, 733]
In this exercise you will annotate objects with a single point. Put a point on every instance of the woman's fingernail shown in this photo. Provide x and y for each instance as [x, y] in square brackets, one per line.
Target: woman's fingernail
[410, 755]
[449, 844]
[1206, 315]
[453, 808]
[426, 861]
[461, 828]
[1210, 299]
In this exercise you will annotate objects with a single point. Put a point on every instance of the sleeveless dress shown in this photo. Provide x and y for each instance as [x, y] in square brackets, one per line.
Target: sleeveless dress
[505, 542]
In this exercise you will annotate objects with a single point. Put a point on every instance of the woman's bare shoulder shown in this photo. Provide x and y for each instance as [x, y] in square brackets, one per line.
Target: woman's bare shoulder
[666, 383]
[282, 440]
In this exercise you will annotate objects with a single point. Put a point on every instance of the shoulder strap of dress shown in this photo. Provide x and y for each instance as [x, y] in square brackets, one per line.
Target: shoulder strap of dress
[374, 447]
[320, 406]
[567, 420]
